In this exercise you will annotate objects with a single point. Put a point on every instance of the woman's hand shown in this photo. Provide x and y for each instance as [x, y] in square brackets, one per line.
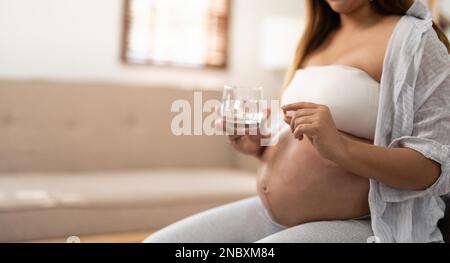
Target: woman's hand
[246, 143]
[316, 122]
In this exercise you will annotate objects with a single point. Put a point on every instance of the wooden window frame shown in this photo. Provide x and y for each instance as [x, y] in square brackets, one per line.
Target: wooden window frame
[149, 62]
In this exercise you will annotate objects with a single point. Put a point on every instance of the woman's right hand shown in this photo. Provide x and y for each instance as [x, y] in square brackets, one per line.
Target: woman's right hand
[246, 143]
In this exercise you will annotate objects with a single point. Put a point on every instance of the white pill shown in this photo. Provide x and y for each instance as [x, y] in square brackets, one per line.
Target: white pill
[290, 113]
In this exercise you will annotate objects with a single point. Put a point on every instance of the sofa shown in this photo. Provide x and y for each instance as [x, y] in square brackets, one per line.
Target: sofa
[88, 158]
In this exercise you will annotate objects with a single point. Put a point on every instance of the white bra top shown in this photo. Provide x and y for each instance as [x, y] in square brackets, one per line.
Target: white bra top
[350, 93]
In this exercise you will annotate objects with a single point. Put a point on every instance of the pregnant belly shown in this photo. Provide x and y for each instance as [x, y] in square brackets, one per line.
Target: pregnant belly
[297, 185]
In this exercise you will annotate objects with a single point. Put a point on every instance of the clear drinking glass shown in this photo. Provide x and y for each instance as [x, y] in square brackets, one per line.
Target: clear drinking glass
[241, 106]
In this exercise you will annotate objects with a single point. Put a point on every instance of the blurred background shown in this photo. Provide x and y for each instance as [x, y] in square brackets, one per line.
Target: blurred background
[86, 88]
[84, 40]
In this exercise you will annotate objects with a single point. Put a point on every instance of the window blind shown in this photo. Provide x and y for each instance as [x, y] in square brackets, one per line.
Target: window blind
[186, 33]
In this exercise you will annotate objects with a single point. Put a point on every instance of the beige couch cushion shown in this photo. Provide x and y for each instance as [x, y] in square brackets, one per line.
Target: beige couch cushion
[36, 206]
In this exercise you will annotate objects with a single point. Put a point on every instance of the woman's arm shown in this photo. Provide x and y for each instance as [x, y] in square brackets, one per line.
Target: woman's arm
[402, 168]
[398, 167]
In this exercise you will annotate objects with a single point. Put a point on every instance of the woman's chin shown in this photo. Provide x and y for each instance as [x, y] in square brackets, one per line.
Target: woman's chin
[344, 6]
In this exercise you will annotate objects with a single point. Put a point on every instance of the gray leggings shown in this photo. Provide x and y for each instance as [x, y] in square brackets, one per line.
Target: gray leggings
[247, 221]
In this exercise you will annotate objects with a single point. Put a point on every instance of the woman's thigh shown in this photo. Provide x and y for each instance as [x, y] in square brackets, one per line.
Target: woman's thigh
[346, 231]
[241, 221]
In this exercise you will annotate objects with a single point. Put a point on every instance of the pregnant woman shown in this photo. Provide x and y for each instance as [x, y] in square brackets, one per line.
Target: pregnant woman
[364, 147]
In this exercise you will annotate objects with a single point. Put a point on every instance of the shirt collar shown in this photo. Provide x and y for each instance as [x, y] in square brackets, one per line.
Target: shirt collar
[419, 10]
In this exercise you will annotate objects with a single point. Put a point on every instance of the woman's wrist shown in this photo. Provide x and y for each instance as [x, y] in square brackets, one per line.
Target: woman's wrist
[344, 152]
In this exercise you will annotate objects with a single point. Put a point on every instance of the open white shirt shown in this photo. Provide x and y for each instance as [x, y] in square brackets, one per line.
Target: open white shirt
[413, 112]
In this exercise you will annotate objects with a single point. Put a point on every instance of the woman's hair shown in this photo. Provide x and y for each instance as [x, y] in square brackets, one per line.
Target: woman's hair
[321, 20]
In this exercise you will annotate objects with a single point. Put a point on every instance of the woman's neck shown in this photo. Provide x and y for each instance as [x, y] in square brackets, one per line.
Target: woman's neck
[360, 18]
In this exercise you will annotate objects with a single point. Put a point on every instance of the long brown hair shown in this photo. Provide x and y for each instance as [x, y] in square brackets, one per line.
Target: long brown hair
[321, 20]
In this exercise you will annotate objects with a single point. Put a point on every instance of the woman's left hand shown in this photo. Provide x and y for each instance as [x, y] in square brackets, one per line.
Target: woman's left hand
[316, 122]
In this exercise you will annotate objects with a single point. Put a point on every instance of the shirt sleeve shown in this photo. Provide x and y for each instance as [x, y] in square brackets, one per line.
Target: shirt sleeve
[431, 121]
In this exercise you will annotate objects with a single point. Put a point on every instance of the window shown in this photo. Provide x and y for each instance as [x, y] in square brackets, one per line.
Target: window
[186, 33]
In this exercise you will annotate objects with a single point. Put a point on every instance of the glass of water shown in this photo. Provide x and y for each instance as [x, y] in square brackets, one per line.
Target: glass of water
[241, 106]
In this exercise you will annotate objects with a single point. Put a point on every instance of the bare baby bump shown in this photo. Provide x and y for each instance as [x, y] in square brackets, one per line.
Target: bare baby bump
[297, 185]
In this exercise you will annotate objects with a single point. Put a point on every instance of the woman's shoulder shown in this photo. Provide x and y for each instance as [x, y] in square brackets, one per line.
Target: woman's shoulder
[391, 20]
[410, 33]
[435, 56]
[427, 39]
[387, 26]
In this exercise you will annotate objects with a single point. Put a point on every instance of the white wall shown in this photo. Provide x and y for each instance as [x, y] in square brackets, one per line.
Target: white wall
[79, 40]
